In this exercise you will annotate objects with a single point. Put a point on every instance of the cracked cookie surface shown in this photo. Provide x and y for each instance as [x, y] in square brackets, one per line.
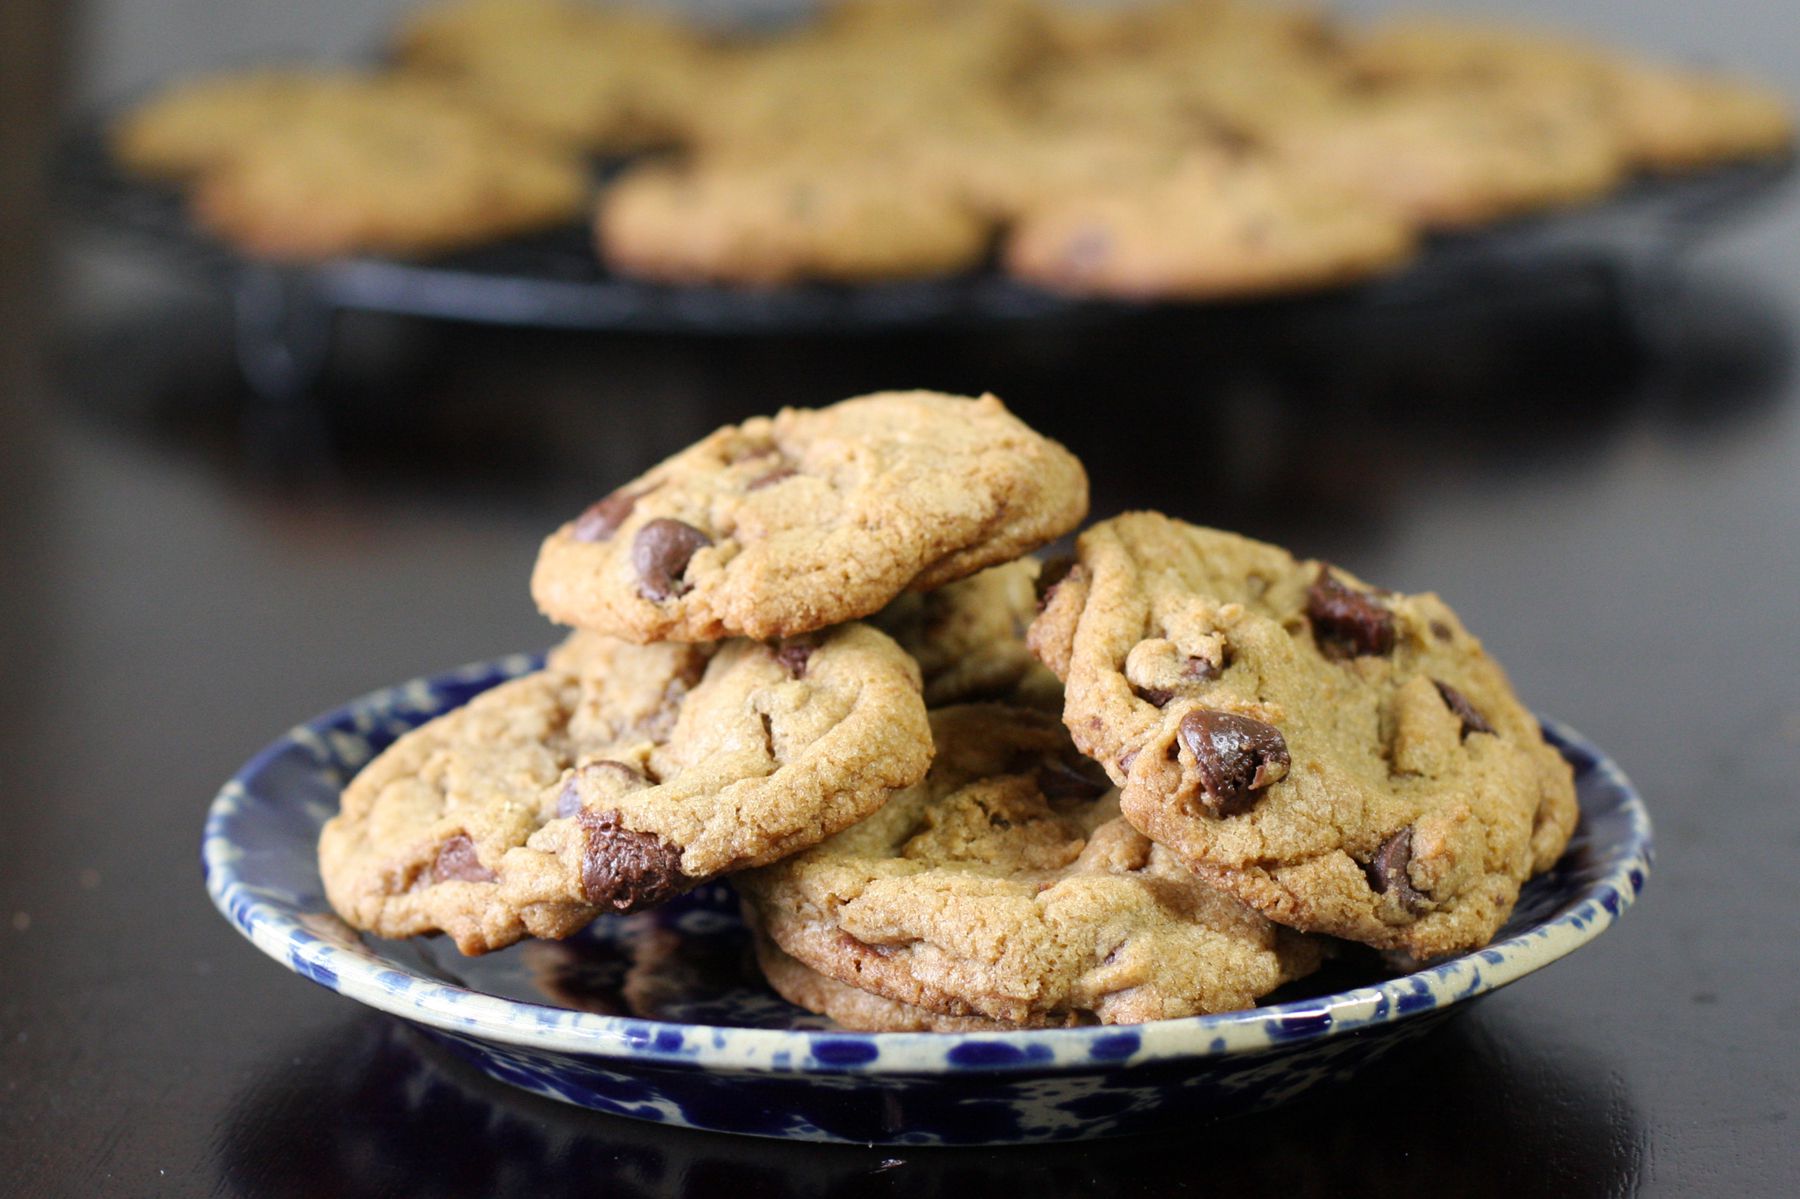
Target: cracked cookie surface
[618, 777]
[786, 524]
[1005, 886]
[1346, 760]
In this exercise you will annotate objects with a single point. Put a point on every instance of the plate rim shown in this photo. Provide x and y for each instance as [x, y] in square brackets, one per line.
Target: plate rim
[275, 928]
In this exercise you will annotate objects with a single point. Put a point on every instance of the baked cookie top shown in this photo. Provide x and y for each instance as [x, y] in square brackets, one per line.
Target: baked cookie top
[1667, 118]
[968, 638]
[303, 167]
[1006, 886]
[1451, 155]
[596, 77]
[790, 523]
[561, 795]
[784, 217]
[1344, 759]
[1204, 228]
[198, 123]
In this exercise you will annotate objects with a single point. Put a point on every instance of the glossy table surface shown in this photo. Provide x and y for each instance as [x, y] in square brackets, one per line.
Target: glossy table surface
[1605, 484]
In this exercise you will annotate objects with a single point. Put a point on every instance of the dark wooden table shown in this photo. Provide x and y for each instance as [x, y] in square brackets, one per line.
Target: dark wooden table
[1607, 488]
[1617, 519]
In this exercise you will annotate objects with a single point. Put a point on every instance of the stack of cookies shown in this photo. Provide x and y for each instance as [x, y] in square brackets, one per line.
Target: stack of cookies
[957, 787]
[1163, 149]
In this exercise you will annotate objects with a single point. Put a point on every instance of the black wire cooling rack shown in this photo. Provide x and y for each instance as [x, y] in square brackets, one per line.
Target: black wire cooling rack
[554, 279]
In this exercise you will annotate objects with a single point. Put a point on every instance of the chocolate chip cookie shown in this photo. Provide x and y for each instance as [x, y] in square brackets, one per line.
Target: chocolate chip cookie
[1208, 227]
[968, 638]
[1344, 759]
[562, 794]
[787, 524]
[1450, 156]
[595, 77]
[1006, 886]
[1667, 118]
[781, 217]
[396, 166]
[198, 123]
[851, 1007]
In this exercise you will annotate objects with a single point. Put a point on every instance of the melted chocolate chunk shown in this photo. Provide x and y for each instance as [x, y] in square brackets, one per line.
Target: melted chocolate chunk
[1236, 757]
[1199, 668]
[1061, 778]
[1157, 697]
[626, 871]
[1387, 871]
[691, 671]
[1054, 571]
[794, 655]
[1442, 631]
[771, 478]
[603, 519]
[662, 551]
[1472, 720]
[457, 861]
[1126, 759]
[1346, 623]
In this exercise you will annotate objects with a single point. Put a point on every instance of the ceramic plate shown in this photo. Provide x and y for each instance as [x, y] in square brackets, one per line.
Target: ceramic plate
[661, 1016]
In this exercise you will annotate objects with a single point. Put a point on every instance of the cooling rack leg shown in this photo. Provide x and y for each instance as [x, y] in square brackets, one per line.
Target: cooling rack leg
[283, 334]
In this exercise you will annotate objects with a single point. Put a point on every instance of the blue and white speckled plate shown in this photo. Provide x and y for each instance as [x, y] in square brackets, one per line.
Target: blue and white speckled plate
[658, 1017]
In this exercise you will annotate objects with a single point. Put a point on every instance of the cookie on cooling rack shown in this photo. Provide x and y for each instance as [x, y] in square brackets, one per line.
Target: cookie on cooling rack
[396, 167]
[1209, 227]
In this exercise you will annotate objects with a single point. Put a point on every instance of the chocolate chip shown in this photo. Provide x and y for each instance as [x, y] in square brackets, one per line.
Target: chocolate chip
[1347, 623]
[1054, 571]
[771, 478]
[626, 871]
[603, 519]
[1472, 720]
[1199, 668]
[1155, 696]
[1441, 631]
[1060, 778]
[692, 669]
[794, 655]
[663, 549]
[1387, 871]
[1126, 759]
[456, 860]
[1235, 755]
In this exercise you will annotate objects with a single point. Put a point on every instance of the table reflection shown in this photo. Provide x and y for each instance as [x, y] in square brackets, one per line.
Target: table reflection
[404, 1116]
[1324, 417]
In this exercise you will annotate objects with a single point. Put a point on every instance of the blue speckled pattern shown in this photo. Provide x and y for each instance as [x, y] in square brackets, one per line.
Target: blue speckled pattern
[741, 1061]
